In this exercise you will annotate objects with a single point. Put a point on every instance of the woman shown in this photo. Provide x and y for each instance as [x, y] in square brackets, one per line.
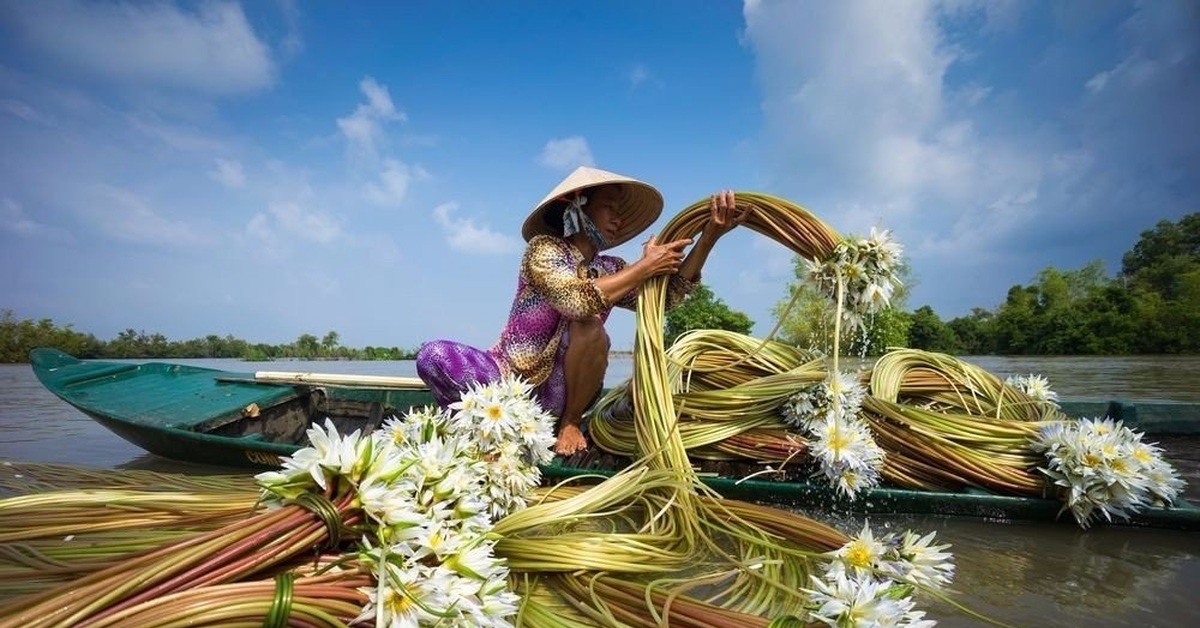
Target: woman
[555, 337]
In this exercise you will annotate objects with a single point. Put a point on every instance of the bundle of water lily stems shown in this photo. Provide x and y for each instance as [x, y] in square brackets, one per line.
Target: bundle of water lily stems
[914, 419]
[436, 519]
[936, 423]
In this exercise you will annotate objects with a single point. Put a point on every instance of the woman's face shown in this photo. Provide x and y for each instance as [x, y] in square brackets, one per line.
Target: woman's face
[604, 208]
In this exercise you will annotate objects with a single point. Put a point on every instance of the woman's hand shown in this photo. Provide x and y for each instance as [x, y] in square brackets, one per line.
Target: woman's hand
[724, 214]
[662, 259]
[657, 259]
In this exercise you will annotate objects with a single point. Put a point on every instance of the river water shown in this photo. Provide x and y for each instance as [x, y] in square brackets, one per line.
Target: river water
[1021, 574]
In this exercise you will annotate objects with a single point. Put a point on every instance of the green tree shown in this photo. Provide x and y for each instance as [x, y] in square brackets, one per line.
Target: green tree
[330, 342]
[1164, 255]
[307, 346]
[1062, 313]
[1160, 273]
[805, 317]
[975, 333]
[703, 310]
[930, 333]
[19, 337]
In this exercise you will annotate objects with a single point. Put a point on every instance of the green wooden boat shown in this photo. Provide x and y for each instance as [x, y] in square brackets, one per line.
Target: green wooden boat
[217, 417]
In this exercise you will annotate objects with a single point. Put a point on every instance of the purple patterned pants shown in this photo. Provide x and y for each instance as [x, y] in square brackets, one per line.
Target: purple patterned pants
[449, 368]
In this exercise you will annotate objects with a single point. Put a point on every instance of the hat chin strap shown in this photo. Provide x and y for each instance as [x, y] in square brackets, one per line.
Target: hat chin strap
[576, 220]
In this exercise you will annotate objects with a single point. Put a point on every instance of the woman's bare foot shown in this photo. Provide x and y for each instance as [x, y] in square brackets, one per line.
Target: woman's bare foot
[570, 440]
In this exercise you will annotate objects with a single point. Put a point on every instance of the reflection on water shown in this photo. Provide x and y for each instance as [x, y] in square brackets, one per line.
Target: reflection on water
[1058, 575]
[1144, 378]
[1023, 574]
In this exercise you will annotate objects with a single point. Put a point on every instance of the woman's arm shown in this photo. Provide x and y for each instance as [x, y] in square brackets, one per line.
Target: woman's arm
[724, 215]
[669, 258]
[657, 259]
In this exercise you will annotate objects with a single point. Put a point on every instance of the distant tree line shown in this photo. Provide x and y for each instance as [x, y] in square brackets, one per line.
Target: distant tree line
[19, 337]
[1151, 307]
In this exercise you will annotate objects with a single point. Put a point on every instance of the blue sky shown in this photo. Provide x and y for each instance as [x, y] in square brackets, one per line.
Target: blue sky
[272, 168]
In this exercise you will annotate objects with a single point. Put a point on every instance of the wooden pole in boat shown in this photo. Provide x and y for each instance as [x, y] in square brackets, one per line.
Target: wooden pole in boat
[338, 379]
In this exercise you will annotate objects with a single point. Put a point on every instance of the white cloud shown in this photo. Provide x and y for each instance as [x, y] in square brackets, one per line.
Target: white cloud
[640, 75]
[266, 240]
[1096, 84]
[866, 88]
[393, 183]
[228, 172]
[24, 111]
[179, 137]
[864, 121]
[303, 223]
[293, 42]
[566, 153]
[464, 235]
[14, 220]
[363, 129]
[212, 50]
[127, 216]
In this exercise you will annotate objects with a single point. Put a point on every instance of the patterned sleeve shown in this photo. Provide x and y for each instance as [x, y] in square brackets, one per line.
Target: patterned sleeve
[677, 289]
[553, 272]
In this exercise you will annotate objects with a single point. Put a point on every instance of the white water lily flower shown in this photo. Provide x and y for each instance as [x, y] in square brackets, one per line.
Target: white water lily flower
[876, 297]
[314, 458]
[390, 504]
[430, 485]
[1035, 386]
[883, 249]
[1106, 469]
[328, 452]
[496, 607]
[918, 561]
[845, 451]
[863, 553]
[866, 270]
[496, 421]
[403, 597]
[861, 602]
[840, 395]
[477, 561]
[435, 458]
[870, 580]
[515, 388]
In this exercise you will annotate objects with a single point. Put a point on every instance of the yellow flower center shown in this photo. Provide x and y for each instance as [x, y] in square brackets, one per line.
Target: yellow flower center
[858, 555]
[397, 602]
[837, 440]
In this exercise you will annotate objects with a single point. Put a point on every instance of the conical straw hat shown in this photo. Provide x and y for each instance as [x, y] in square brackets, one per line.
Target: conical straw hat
[640, 206]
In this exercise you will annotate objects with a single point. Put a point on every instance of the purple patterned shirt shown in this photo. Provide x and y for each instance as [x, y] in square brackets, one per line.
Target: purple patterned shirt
[556, 285]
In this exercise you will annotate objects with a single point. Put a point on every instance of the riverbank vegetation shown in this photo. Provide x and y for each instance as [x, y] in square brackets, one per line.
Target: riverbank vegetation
[1152, 306]
[19, 337]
